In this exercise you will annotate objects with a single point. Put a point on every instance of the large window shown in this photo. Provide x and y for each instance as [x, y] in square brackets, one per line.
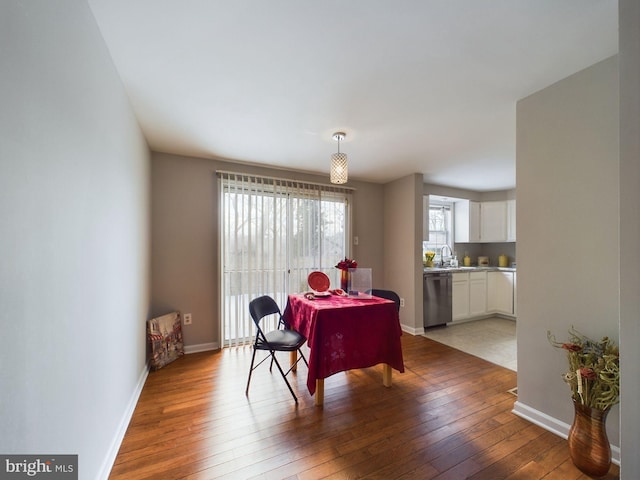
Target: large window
[440, 229]
[275, 232]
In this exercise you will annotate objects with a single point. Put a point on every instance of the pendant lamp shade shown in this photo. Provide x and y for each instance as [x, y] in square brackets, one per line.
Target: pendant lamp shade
[339, 172]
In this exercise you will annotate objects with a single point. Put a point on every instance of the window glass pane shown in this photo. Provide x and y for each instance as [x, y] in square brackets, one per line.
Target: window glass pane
[273, 234]
[440, 230]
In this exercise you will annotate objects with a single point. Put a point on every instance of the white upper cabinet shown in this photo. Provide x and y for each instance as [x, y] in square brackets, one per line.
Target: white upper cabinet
[511, 220]
[475, 225]
[493, 222]
[467, 221]
[477, 222]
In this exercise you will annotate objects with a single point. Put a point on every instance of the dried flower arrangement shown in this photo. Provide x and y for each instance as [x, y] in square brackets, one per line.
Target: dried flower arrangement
[594, 369]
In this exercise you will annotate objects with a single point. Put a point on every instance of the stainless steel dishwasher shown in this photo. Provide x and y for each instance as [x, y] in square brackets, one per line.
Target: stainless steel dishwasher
[436, 298]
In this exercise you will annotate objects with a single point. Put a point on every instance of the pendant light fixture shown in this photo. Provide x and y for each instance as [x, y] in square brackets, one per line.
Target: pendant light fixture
[339, 172]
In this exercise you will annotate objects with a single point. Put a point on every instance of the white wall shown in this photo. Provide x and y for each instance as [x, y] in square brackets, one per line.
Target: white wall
[629, 237]
[73, 238]
[568, 242]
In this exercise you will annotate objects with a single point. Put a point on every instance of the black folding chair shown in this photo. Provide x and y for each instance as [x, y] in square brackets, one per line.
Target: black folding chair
[388, 294]
[279, 340]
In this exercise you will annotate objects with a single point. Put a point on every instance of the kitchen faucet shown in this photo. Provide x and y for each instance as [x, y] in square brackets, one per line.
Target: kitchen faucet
[442, 263]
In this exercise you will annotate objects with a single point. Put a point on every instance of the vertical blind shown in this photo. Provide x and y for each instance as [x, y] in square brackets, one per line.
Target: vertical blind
[274, 232]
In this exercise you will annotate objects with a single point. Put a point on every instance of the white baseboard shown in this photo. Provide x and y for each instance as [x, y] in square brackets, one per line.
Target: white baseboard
[107, 465]
[412, 330]
[553, 425]
[541, 419]
[201, 347]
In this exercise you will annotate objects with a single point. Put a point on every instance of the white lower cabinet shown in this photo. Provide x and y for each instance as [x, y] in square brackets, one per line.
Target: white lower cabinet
[500, 292]
[515, 295]
[477, 293]
[469, 292]
[460, 296]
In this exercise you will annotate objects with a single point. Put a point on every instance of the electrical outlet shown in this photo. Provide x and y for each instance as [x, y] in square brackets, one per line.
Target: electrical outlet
[402, 302]
[187, 319]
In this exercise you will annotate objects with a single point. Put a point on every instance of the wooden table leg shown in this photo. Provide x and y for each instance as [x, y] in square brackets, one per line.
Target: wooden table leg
[386, 375]
[319, 392]
[293, 358]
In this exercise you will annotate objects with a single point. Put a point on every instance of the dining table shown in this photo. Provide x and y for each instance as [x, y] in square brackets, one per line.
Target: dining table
[344, 333]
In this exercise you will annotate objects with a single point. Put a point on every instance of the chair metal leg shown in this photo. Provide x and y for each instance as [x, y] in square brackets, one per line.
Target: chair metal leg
[253, 357]
[294, 363]
[274, 359]
[284, 377]
[303, 357]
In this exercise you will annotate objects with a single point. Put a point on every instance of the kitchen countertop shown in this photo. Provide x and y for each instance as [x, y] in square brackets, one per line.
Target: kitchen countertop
[468, 269]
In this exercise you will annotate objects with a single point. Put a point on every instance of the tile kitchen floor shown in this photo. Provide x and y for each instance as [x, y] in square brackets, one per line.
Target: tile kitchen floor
[492, 339]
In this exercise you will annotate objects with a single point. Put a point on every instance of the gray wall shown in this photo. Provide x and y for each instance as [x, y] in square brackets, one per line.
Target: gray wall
[185, 264]
[74, 238]
[567, 221]
[403, 247]
[629, 236]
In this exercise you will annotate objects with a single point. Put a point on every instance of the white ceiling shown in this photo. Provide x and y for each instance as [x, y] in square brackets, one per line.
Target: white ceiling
[419, 86]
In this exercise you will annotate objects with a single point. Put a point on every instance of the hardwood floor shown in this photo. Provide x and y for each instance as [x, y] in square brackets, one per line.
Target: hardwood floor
[447, 417]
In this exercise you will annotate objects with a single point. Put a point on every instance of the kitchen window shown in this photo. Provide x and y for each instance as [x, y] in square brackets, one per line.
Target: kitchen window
[440, 229]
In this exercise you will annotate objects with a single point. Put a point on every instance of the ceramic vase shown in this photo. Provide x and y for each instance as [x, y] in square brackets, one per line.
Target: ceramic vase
[589, 447]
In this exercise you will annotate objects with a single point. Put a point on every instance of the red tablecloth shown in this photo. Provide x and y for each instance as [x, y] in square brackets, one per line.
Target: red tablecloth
[345, 333]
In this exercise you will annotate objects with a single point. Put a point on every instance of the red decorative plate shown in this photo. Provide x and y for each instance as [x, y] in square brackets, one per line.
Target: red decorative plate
[318, 281]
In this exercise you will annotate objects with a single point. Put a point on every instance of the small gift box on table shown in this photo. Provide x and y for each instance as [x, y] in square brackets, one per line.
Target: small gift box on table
[360, 282]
